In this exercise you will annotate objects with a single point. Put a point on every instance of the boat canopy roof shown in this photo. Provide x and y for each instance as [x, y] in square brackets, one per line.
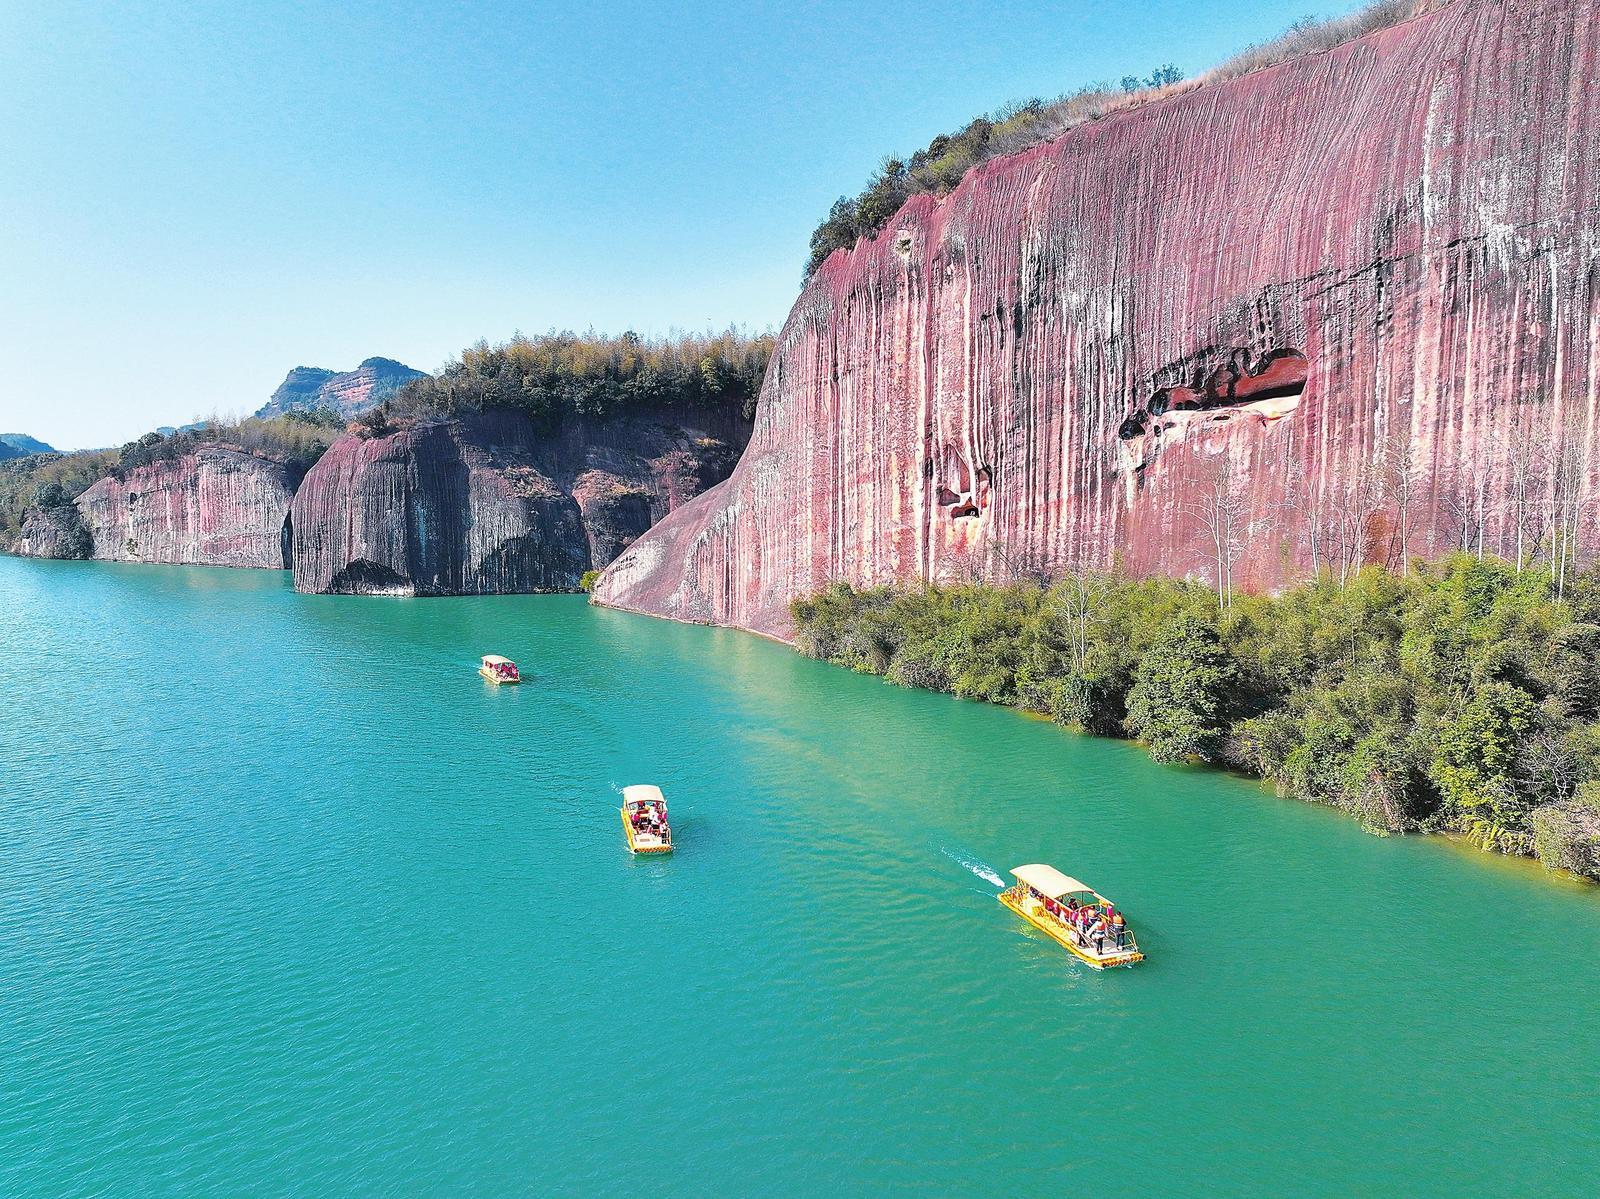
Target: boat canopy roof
[643, 793]
[497, 660]
[1050, 882]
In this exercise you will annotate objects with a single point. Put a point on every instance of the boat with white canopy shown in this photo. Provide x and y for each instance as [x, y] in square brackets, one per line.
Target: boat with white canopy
[499, 670]
[644, 819]
[1073, 914]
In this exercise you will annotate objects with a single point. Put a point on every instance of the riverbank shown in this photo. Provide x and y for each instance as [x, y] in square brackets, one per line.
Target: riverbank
[1461, 698]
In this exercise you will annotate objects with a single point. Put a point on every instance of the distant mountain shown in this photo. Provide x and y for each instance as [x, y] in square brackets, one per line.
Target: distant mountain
[16, 445]
[348, 393]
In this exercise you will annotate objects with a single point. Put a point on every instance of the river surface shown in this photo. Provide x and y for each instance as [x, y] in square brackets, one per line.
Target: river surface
[293, 903]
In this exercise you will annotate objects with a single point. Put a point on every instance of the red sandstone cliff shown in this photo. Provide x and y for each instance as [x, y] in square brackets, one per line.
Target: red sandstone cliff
[1382, 261]
[215, 506]
[491, 503]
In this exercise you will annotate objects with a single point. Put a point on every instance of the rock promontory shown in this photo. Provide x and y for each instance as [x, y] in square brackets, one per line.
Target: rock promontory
[215, 505]
[496, 502]
[1337, 310]
[57, 531]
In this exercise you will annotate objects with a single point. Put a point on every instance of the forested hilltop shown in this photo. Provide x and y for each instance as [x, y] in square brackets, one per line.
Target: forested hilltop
[1460, 697]
[50, 483]
[944, 162]
[549, 378]
[556, 375]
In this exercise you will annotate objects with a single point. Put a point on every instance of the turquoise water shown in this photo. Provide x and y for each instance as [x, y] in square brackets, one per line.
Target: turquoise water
[292, 903]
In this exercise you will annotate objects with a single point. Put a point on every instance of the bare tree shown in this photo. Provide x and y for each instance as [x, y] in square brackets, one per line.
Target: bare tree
[1401, 478]
[1355, 505]
[1524, 486]
[1221, 512]
[1466, 496]
[1549, 769]
[1016, 566]
[1480, 507]
[1301, 496]
[1081, 597]
[1456, 496]
[1569, 498]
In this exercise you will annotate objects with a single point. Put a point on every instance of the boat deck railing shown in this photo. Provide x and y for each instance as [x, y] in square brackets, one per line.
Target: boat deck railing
[1112, 947]
[1113, 943]
[662, 835]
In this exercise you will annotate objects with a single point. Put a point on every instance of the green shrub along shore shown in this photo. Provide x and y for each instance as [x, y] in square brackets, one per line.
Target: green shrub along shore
[1462, 697]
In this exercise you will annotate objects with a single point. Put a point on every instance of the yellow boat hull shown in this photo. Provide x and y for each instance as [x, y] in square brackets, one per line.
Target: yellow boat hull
[633, 845]
[1059, 935]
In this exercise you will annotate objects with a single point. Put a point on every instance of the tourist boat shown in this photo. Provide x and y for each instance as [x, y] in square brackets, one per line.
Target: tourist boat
[499, 670]
[1047, 899]
[644, 819]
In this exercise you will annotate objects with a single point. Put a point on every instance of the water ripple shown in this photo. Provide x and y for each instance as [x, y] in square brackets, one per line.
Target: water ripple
[291, 903]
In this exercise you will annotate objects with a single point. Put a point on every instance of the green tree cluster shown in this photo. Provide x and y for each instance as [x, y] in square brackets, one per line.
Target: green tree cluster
[296, 438]
[594, 375]
[46, 482]
[50, 483]
[1464, 697]
[944, 162]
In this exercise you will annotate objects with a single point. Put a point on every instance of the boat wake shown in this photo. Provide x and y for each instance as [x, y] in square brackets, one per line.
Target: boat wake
[983, 871]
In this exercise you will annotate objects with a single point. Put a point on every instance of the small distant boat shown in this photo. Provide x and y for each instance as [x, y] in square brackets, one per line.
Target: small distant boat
[644, 819]
[499, 670]
[1085, 923]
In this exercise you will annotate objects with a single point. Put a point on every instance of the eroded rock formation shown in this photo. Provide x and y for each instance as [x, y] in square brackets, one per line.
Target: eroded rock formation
[55, 532]
[346, 393]
[215, 506]
[489, 503]
[1370, 272]
[493, 503]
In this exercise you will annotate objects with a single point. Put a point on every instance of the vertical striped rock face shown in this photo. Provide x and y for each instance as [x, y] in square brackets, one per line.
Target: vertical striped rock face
[54, 533]
[1275, 288]
[492, 504]
[216, 506]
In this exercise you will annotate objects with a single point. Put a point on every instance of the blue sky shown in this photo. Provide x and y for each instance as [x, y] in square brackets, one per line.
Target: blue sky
[196, 197]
